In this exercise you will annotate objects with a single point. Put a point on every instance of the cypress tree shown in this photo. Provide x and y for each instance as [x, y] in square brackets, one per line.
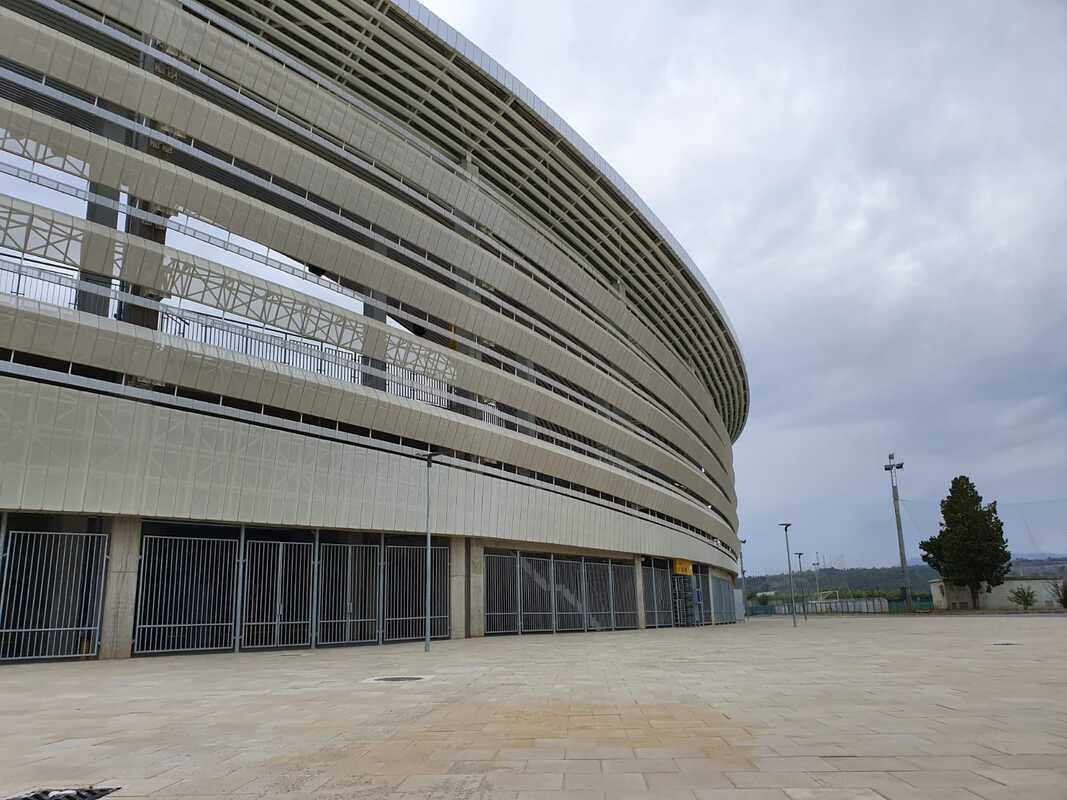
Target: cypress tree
[970, 549]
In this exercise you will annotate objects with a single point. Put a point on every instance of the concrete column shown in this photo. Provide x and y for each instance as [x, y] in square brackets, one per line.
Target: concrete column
[476, 623]
[120, 589]
[639, 582]
[457, 589]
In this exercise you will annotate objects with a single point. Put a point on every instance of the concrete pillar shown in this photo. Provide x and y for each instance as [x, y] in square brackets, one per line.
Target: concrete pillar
[120, 589]
[639, 583]
[476, 623]
[457, 589]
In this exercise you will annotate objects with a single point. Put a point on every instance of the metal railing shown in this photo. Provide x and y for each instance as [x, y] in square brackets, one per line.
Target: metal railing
[857, 605]
[57, 286]
[51, 594]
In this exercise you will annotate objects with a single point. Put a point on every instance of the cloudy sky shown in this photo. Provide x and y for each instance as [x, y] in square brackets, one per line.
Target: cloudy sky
[878, 193]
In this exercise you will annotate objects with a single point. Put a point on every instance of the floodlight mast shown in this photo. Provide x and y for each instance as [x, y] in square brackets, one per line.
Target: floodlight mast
[892, 468]
[789, 565]
[744, 596]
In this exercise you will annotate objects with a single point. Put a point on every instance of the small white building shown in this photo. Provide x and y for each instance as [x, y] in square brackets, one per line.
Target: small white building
[948, 597]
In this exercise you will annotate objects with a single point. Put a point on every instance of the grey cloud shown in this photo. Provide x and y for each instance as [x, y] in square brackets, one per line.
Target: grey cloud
[876, 191]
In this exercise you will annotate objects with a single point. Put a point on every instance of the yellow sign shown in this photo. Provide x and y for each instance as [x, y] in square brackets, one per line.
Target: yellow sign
[683, 567]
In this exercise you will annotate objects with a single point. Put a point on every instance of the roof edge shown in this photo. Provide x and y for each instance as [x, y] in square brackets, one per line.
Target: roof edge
[493, 69]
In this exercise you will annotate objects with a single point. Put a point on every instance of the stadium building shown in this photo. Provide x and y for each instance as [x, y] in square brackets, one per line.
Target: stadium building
[285, 285]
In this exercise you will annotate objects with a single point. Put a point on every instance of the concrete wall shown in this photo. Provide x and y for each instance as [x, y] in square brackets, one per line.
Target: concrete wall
[952, 598]
[72, 451]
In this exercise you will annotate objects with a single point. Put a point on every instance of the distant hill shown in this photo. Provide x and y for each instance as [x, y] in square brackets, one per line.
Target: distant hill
[886, 580]
[918, 562]
[851, 581]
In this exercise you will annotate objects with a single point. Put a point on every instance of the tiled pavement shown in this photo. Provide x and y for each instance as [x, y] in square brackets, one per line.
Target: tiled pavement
[838, 709]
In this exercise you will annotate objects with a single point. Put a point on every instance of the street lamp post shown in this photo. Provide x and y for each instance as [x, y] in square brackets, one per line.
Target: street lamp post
[816, 564]
[800, 574]
[789, 565]
[892, 468]
[744, 595]
[429, 551]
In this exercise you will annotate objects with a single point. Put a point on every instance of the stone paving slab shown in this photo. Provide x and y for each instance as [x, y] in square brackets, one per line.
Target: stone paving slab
[929, 708]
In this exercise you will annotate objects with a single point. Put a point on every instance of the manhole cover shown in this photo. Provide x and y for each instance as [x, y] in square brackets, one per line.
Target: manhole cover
[90, 793]
[396, 678]
[1004, 644]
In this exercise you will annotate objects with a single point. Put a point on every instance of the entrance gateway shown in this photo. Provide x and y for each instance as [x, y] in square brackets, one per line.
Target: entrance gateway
[202, 588]
[256, 588]
[549, 593]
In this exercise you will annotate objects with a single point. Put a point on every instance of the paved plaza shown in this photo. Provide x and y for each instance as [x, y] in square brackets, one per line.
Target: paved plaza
[874, 709]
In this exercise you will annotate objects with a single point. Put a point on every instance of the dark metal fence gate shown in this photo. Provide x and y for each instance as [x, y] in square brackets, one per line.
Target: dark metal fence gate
[707, 601]
[186, 594]
[264, 590]
[278, 594]
[656, 575]
[348, 593]
[51, 594]
[405, 592]
[723, 600]
[536, 593]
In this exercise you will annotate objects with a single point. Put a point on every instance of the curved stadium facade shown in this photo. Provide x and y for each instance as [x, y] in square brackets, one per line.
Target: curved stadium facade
[281, 285]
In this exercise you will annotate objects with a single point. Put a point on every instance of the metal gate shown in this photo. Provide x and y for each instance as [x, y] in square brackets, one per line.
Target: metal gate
[598, 598]
[186, 594]
[51, 593]
[276, 605]
[405, 592]
[708, 598]
[658, 599]
[723, 600]
[624, 595]
[536, 597]
[531, 593]
[570, 610]
[201, 593]
[501, 599]
[348, 593]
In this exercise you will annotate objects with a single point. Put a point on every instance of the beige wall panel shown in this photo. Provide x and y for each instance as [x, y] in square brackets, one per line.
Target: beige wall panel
[252, 141]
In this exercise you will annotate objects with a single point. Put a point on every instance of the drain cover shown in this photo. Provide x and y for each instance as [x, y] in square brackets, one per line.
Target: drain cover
[90, 793]
[1004, 644]
[396, 678]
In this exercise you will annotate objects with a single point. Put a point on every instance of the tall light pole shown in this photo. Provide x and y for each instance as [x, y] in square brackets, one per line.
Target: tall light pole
[800, 573]
[744, 596]
[892, 468]
[429, 550]
[816, 564]
[789, 565]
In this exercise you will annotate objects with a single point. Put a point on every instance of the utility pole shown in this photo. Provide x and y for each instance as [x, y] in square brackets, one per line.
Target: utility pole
[800, 573]
[892, 468]
[816, 564]
[789, 565]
